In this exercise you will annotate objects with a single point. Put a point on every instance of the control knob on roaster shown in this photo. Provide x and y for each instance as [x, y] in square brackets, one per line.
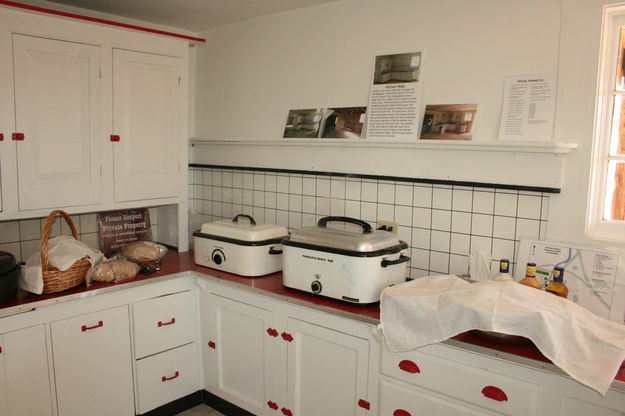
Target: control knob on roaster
[315, 286]
[218, 256]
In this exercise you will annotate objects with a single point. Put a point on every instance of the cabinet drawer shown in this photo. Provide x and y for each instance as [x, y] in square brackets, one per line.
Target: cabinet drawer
[163, 323]
[399, 401]
[167, 376]
[482, 387]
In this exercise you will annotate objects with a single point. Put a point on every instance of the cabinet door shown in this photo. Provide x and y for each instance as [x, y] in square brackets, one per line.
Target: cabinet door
[24, 379]
[146, 102]
[327, 371]
[237, 352]
[57, 109]
[93, 365]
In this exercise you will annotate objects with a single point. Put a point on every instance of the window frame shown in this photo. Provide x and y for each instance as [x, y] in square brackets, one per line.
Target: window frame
[596, 226]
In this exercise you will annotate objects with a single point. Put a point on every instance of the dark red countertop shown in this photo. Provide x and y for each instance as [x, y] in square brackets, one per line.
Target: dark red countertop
[175, 262]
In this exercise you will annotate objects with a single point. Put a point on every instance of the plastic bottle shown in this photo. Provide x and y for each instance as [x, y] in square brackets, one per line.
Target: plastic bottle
[504, 271]
[557, 286]
[530, 276]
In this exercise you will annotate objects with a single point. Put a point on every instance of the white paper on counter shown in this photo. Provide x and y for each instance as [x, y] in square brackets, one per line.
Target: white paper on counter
[528, 109]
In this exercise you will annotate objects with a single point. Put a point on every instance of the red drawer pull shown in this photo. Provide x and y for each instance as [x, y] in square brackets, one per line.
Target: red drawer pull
[1, 137]
[286, 412]
[115, 137]
[409, 366]
[173, 321]
[495, 393]
[272, 332]
[164, 379]
[287, 337]
[18, 137]
[212, 345]
[401, 412]
[364, 404]
[272, 405]
[86, 328]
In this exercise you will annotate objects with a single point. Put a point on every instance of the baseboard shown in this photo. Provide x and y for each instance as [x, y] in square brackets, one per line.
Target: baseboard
[197, 398]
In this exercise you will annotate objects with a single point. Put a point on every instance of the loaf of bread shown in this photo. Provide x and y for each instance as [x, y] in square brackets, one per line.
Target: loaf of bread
[144, 251]
[115, 270]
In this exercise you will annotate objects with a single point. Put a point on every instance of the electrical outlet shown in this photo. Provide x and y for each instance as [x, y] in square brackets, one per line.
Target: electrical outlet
[388, 226]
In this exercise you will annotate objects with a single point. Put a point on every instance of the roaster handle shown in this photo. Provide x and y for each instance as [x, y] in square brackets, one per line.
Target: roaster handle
[236, 219]
[401, 259]
[275, 251]
[366, 228]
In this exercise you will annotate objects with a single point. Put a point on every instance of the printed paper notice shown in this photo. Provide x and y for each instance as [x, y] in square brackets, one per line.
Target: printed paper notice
[591, 275]
[528, 108]
[394, 97]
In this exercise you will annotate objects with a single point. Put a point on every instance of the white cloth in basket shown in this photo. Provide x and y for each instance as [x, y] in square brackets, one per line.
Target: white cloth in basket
[432, 309]
[63, 251]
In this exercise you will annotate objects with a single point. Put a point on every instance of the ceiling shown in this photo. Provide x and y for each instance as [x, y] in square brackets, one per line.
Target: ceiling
[192, 15]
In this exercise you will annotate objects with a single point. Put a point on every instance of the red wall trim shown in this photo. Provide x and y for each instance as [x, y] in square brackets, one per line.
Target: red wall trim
[102, 21]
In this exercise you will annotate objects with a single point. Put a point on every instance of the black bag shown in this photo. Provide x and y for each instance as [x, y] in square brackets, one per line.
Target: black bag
[8, 277]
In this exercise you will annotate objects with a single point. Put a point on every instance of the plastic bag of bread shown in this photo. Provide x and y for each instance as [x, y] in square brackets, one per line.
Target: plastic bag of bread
[144, 251]
[115, 270]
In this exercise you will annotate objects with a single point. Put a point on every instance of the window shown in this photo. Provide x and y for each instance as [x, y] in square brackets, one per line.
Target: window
[606, 209]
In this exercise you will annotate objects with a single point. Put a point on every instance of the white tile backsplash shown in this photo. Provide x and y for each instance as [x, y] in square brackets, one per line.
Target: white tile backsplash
[442, 224]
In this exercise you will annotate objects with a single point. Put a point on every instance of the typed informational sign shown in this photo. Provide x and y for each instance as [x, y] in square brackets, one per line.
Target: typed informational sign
[118, 228]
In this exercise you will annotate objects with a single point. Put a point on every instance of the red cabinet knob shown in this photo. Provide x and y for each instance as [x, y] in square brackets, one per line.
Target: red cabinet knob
[272, 405]
[364, 404]
[272, 332]
[409, 366]
[287, 337]
[164, 379]
[495, 393]
[87, 328]
[212, 345]
[286, 412]
[401, 412]
[173, 321]
[115, 137]
[1, 137]
[18, 136]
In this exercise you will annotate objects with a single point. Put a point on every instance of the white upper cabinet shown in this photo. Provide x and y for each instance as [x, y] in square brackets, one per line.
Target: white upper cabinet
[146, 96]
[57, 114]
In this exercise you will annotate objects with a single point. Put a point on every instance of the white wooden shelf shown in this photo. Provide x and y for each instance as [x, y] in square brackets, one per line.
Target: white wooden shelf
[478, 146]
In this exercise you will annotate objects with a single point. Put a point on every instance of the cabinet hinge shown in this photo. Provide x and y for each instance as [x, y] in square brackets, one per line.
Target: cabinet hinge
[179, 81]
[100, 170]
[100, 72]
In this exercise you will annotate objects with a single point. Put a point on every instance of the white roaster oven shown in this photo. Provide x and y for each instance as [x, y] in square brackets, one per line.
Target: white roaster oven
[354, 266]
[241, 247]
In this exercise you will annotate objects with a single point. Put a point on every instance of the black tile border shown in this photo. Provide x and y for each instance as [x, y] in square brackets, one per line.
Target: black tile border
[384, 178]
[195, 399]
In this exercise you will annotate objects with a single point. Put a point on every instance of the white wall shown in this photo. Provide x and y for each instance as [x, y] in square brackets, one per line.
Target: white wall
[251, 73]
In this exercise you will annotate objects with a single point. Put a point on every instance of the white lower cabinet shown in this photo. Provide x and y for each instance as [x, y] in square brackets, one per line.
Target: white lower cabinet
[93, 364]
[264, 357]
[24, 378]
[167, 358]
[167, 376]
[237, 352]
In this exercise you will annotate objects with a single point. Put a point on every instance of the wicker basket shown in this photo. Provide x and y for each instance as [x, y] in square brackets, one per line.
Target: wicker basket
[55, 280]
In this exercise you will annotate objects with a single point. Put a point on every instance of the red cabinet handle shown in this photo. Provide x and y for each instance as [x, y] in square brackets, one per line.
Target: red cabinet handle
[18, 137]
[86, 328]
[409, 366]
[164, 379]
[287, 337]
[272, 332]
[212, 345]
[1, 137]
[364, 404]
[0, 350]
[272, 405]
[401, 412]
[495, 393]
[173, 321]
[115, 137]
[286, 412]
